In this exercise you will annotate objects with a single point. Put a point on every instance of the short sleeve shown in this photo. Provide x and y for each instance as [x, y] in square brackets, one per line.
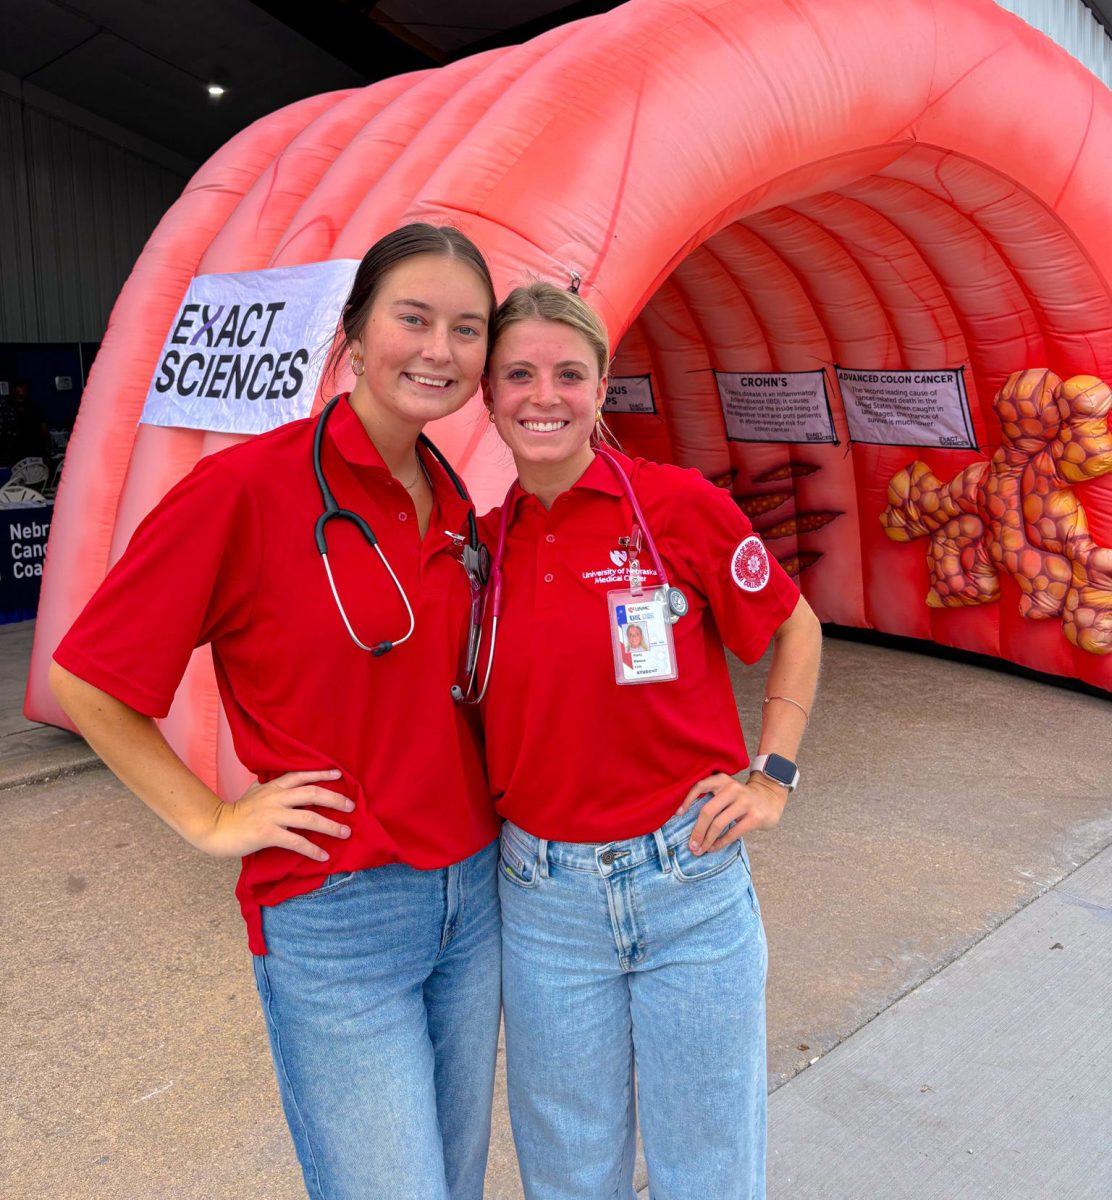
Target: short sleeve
[748, 591]
[187, 577]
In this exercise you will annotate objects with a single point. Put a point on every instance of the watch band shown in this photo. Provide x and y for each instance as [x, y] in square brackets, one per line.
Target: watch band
[779, 769]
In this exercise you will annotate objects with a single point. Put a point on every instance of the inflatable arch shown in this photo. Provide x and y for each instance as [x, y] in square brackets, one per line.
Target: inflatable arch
[742, 186]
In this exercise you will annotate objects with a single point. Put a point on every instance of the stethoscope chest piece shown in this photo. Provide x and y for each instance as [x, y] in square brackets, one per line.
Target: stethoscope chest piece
[677, 603]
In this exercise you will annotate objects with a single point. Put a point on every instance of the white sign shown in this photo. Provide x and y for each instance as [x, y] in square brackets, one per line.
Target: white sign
[629, 394]
[907, 408]
[245, 351]
[775, 406]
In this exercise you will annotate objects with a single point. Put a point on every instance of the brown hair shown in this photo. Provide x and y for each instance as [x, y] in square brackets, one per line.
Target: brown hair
[387, 253]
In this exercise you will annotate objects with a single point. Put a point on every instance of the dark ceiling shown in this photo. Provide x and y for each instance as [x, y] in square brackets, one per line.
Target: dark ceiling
[146, 65]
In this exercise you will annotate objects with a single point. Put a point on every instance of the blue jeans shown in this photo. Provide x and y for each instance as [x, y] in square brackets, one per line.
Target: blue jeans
[381, 996]
[633, 960]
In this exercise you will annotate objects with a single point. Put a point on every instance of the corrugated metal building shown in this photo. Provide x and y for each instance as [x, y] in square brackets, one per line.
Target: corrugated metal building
[76, 207]
[79, 195]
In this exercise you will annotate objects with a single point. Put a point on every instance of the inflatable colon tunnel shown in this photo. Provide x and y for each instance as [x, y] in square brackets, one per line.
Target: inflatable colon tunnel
[755, 194]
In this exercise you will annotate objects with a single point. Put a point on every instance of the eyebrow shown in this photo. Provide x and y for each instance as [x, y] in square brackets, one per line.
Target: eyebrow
[424, 306]
[567, 362]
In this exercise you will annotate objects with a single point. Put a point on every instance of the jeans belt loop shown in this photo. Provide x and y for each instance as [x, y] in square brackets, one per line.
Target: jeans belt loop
[662, 852]
[542, 857]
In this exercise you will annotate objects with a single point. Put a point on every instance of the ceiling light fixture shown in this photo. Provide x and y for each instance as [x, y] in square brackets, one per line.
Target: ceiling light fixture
[214, 89]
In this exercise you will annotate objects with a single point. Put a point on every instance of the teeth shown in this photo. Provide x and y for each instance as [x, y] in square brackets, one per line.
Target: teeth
[543, 426]
[440, 383]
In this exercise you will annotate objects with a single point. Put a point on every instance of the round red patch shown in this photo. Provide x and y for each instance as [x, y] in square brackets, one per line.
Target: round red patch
[750, 565]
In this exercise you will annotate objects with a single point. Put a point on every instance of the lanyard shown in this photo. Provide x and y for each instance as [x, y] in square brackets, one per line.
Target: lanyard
[678, 605]
[630, 495]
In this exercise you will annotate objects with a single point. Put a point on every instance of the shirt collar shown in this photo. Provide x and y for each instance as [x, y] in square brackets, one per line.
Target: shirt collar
[350, 438]
[598, 477]
[355, 446]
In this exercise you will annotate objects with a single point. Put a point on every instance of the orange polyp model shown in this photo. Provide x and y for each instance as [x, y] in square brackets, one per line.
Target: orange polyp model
[742, 186]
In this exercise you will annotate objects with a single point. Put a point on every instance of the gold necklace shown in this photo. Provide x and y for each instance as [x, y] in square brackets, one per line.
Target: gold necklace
[420, 471]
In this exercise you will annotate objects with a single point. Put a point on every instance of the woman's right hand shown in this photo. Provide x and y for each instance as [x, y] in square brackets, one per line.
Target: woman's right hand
[270, 814]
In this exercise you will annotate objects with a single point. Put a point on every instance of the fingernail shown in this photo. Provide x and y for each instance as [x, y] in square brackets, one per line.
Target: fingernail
[349, 805]
[334, 774]
[324, 856]
[696, 847]
[345, 831]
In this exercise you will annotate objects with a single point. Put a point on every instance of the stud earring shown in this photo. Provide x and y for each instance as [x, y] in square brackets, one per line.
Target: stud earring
[490, 416]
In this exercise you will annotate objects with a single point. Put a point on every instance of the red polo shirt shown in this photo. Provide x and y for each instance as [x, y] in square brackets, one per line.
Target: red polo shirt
[228, 557]
[572, 755]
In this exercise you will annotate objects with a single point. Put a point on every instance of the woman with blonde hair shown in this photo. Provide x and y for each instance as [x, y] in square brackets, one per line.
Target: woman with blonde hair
[632, 940]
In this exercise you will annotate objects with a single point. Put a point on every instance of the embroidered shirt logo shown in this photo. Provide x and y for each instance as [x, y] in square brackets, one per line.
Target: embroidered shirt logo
[618, 557]
[749, 567]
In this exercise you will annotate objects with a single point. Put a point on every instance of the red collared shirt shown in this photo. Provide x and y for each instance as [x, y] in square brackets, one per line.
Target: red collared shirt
[573, 756]
[228, 557]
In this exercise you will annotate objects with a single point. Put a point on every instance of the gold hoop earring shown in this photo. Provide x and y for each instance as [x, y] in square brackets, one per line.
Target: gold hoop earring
[490, 416]
[356, 370]
[598, 415]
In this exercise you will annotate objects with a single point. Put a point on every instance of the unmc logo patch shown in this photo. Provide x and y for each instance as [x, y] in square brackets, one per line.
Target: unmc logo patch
[749, 567]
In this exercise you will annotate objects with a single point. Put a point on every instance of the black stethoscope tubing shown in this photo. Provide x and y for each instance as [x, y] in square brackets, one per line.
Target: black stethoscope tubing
[476, 559]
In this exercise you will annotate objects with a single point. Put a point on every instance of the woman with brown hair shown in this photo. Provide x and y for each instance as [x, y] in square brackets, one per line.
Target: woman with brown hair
[368, 842]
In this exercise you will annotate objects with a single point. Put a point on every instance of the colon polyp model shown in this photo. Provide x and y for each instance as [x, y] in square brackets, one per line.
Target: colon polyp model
[1016, 513]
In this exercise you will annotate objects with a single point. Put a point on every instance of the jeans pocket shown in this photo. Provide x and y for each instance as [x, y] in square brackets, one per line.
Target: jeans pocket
[690, 868]
[330, 884]
[517, 864]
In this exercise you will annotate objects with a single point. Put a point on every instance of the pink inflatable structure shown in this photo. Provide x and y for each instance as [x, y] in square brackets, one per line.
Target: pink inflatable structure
[742, 186]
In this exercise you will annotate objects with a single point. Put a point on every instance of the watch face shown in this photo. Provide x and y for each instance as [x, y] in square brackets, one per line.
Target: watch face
[779, 768]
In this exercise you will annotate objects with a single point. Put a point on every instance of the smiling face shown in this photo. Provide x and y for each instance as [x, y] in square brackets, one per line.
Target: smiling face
[634, 638]
[424, 342]
[544, 390]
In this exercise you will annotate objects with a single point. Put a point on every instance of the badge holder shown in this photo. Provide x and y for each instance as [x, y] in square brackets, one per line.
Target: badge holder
[641, 627]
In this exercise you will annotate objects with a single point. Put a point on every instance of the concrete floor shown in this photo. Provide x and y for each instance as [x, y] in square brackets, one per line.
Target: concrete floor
[938, 800]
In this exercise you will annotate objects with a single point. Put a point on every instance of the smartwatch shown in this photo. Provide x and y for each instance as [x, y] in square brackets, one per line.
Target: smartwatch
[779, 769]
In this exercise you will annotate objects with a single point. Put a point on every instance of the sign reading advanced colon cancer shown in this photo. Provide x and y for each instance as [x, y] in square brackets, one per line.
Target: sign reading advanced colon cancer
[907, 408]
[245, 351]
[775, 406]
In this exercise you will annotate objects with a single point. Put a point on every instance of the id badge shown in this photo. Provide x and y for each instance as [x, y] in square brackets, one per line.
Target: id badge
[641, 637]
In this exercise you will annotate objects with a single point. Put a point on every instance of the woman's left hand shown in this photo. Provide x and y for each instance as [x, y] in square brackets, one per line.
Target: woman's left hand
[756, 804]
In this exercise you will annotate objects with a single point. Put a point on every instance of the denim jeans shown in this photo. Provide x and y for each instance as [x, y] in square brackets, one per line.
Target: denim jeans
[381, 997]
[633, 960]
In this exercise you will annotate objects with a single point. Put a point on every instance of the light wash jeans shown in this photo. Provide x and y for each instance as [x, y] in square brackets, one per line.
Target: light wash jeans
[634, 956]
[381, 994]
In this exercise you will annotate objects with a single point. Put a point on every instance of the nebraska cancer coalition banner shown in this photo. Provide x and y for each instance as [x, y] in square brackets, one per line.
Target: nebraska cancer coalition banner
[245, 351]
[907, 408]
[775, 406]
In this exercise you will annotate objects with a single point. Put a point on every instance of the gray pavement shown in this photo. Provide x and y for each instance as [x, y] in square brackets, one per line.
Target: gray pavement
[992, 1079]
[30, 751]
[913, 896]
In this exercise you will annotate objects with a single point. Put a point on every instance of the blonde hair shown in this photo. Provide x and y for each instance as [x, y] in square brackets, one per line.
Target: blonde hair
[544, 301]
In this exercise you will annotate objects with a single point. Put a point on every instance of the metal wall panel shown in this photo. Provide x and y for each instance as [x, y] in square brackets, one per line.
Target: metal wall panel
[1071, 24]
[75, 211]
[17, 276]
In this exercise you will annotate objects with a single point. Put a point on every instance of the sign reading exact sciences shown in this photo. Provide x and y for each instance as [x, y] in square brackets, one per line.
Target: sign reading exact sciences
[245, 351]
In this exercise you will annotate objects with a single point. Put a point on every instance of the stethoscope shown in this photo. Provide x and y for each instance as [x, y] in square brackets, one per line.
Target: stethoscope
[677, 601]
[474, 556]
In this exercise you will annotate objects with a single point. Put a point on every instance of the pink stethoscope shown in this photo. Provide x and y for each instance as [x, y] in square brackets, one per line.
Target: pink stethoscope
[677, 601]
